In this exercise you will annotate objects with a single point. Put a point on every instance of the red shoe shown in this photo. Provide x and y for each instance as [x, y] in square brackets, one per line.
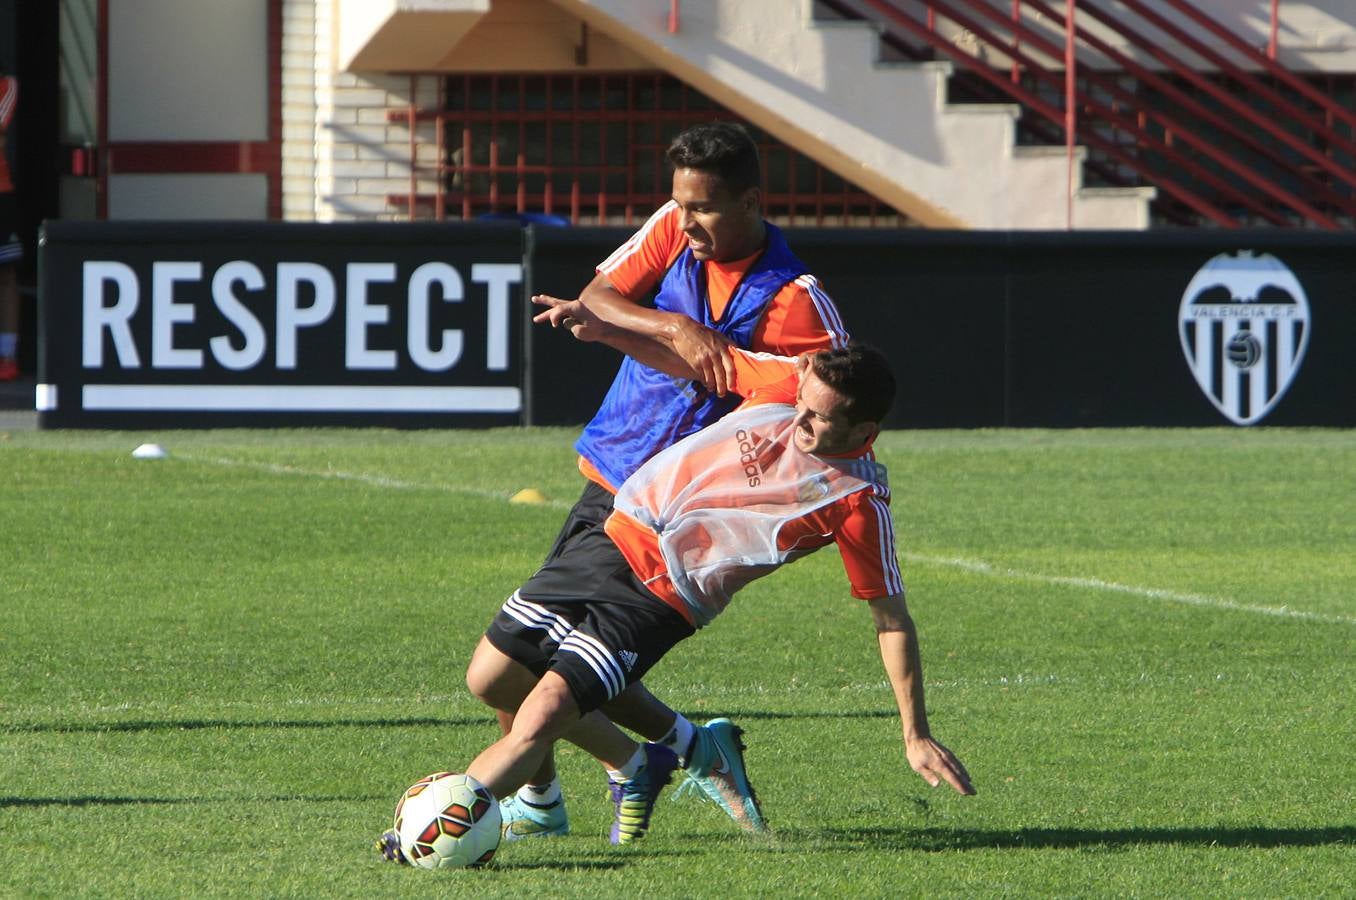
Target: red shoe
[9, 370]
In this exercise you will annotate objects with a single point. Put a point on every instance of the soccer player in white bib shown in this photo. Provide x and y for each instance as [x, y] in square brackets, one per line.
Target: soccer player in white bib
[789, 471]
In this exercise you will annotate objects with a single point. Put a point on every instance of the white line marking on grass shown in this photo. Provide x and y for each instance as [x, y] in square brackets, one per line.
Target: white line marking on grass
[444, 704]
[324, 701]
[970, 565]
[381, 481]
[983, 568]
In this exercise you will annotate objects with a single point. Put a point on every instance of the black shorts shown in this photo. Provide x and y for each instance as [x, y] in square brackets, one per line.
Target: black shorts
[586, 617]
[11, 251]
[592, 508]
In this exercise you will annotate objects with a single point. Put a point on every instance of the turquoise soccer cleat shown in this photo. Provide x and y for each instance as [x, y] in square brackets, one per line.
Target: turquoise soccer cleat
[716, 770]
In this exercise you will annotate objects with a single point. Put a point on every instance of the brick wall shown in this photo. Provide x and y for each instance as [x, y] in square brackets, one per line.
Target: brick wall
[342, 158]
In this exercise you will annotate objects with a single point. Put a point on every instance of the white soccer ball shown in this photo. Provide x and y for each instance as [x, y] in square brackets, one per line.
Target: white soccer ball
[447, 820]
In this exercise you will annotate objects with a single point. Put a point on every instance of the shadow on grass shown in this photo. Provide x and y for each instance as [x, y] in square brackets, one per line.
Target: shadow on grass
[385, 722]
[562, 866]
[612, 858]
[944, 839]
[201, 724]
[6, 802]
[412, 721]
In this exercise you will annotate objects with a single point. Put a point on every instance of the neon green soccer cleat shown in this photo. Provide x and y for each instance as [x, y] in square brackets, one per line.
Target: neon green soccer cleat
[388, 845]
[634, 799]
[522, 819]
[716, 770]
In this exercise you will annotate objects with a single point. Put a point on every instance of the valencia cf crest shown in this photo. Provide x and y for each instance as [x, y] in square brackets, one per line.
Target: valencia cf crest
[1244, 326]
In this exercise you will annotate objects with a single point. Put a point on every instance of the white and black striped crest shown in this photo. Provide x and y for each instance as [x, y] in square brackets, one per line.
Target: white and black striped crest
[1244, 326]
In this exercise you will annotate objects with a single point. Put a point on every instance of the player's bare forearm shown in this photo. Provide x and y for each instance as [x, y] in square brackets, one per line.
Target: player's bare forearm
[646, 334]
[670, 342]
[900, 655]
[610, 306]
[650, 352]
[593, 324]
[699, 353]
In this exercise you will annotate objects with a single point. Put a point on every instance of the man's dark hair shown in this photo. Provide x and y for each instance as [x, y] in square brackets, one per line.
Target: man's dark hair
[724, 149]
[862, 374]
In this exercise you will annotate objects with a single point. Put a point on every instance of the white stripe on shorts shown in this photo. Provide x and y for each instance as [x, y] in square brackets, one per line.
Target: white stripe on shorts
[598, 658]
[534, 616]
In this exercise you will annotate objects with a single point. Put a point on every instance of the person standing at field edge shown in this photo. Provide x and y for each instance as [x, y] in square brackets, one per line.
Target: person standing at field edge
[691, 527]
[11, 250]
[726, 277]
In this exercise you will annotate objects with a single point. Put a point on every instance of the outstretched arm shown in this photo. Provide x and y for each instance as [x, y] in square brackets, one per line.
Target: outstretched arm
[899, 652]
[596, 322]
[669, 342]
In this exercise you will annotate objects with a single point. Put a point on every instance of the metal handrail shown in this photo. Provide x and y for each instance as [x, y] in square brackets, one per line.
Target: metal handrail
[590, 185]
[1247, 111]
[1221, 122]
[1030, 100]
[1180, 130]
[1177, 131]
[1130, 125]
[1169, 123]
[1142, 135]
[1268, 63]
[1036, 128]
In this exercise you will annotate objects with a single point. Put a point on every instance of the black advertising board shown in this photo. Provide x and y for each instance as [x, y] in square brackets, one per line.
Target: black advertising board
[566, 378]
[217, 324]
[1182, 329]
[1095, 329]
[935, 302]
[430, 325]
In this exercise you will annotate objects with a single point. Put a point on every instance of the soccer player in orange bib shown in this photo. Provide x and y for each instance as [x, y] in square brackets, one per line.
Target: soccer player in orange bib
[724, 276]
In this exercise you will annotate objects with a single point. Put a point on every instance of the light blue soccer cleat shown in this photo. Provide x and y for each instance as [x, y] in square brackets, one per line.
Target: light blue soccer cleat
[523, 819]
[716, 770]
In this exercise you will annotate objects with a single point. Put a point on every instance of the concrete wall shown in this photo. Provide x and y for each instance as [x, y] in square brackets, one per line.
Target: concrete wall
[342, 157]
[206, 80]
[187, 72]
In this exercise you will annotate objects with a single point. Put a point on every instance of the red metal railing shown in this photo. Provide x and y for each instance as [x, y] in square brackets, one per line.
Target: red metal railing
[1233, 147]
[588, 149]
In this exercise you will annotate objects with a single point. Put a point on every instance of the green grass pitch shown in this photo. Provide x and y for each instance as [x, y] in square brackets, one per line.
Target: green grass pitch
[219, 670]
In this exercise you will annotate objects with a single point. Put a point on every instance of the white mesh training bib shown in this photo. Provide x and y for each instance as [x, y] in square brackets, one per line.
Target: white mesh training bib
[719, 498]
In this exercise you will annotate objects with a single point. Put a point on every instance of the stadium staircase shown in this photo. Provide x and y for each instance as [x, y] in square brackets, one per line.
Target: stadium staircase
[959, 112]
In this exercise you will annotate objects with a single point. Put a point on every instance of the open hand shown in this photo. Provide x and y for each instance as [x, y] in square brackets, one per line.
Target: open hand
[936, 764]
